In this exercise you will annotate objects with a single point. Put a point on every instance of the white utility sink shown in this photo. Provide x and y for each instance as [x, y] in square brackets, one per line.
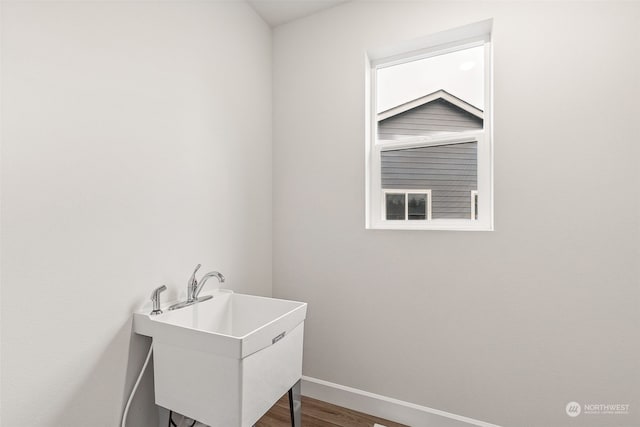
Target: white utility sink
[227, 360]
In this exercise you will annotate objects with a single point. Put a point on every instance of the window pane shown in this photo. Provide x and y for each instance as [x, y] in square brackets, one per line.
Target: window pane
[445, 91]
[434, 97]
[395, 206]
[417, 206]
[449, 171]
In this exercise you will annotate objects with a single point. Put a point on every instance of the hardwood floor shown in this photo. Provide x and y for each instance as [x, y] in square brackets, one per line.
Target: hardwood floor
[316, 413]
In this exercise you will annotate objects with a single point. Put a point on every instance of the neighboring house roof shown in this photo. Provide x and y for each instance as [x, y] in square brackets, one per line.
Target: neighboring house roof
[436, 114]
[439, 94]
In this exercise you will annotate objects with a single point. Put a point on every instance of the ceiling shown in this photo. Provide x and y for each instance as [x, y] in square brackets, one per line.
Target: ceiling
[277, 12]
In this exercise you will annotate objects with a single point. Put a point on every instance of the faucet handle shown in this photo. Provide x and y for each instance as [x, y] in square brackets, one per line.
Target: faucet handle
[155, 299]
[193, 276]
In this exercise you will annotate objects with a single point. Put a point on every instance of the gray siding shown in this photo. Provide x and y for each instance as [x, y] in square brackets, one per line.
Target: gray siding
[449, 171]
[434, 117]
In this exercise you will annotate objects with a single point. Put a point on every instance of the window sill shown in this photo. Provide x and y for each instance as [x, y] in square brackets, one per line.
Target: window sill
[433, 226]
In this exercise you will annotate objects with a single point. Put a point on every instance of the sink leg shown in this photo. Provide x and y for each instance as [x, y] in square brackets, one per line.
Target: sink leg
[295, 405]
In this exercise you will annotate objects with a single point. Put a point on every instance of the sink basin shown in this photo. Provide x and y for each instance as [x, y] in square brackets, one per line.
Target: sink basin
[227, 360]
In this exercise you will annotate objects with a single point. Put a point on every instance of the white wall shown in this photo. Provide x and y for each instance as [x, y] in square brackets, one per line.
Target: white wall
[505, 326]
[136, 143]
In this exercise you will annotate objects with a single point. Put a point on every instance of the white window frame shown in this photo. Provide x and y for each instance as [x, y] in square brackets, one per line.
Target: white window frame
[478, 34]
[406, 193]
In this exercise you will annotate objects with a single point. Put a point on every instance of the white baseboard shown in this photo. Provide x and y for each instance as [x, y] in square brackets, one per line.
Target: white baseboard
[385, 407]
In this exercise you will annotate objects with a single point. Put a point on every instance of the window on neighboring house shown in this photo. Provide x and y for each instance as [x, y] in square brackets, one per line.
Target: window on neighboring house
[429, 141]
[407, 205]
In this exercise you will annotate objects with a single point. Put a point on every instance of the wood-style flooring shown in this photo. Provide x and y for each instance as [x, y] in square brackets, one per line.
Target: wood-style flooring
[316, 413]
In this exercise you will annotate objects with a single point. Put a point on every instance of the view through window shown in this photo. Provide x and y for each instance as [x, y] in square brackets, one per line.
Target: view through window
[430, 98]
[430, 150]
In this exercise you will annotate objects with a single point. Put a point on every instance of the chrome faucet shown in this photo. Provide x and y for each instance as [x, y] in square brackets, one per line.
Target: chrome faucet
[199, 286]
[194, 288]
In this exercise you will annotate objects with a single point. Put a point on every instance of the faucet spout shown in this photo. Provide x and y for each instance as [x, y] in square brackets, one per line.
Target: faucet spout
[204, 279]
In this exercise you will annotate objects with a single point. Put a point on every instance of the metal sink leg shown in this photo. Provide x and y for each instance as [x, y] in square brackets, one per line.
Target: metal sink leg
[295, 405]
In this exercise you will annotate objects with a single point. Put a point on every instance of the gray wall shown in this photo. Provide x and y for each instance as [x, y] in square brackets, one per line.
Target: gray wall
[505, 326]
[449, 171]
[126, 159]
[428, 119]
